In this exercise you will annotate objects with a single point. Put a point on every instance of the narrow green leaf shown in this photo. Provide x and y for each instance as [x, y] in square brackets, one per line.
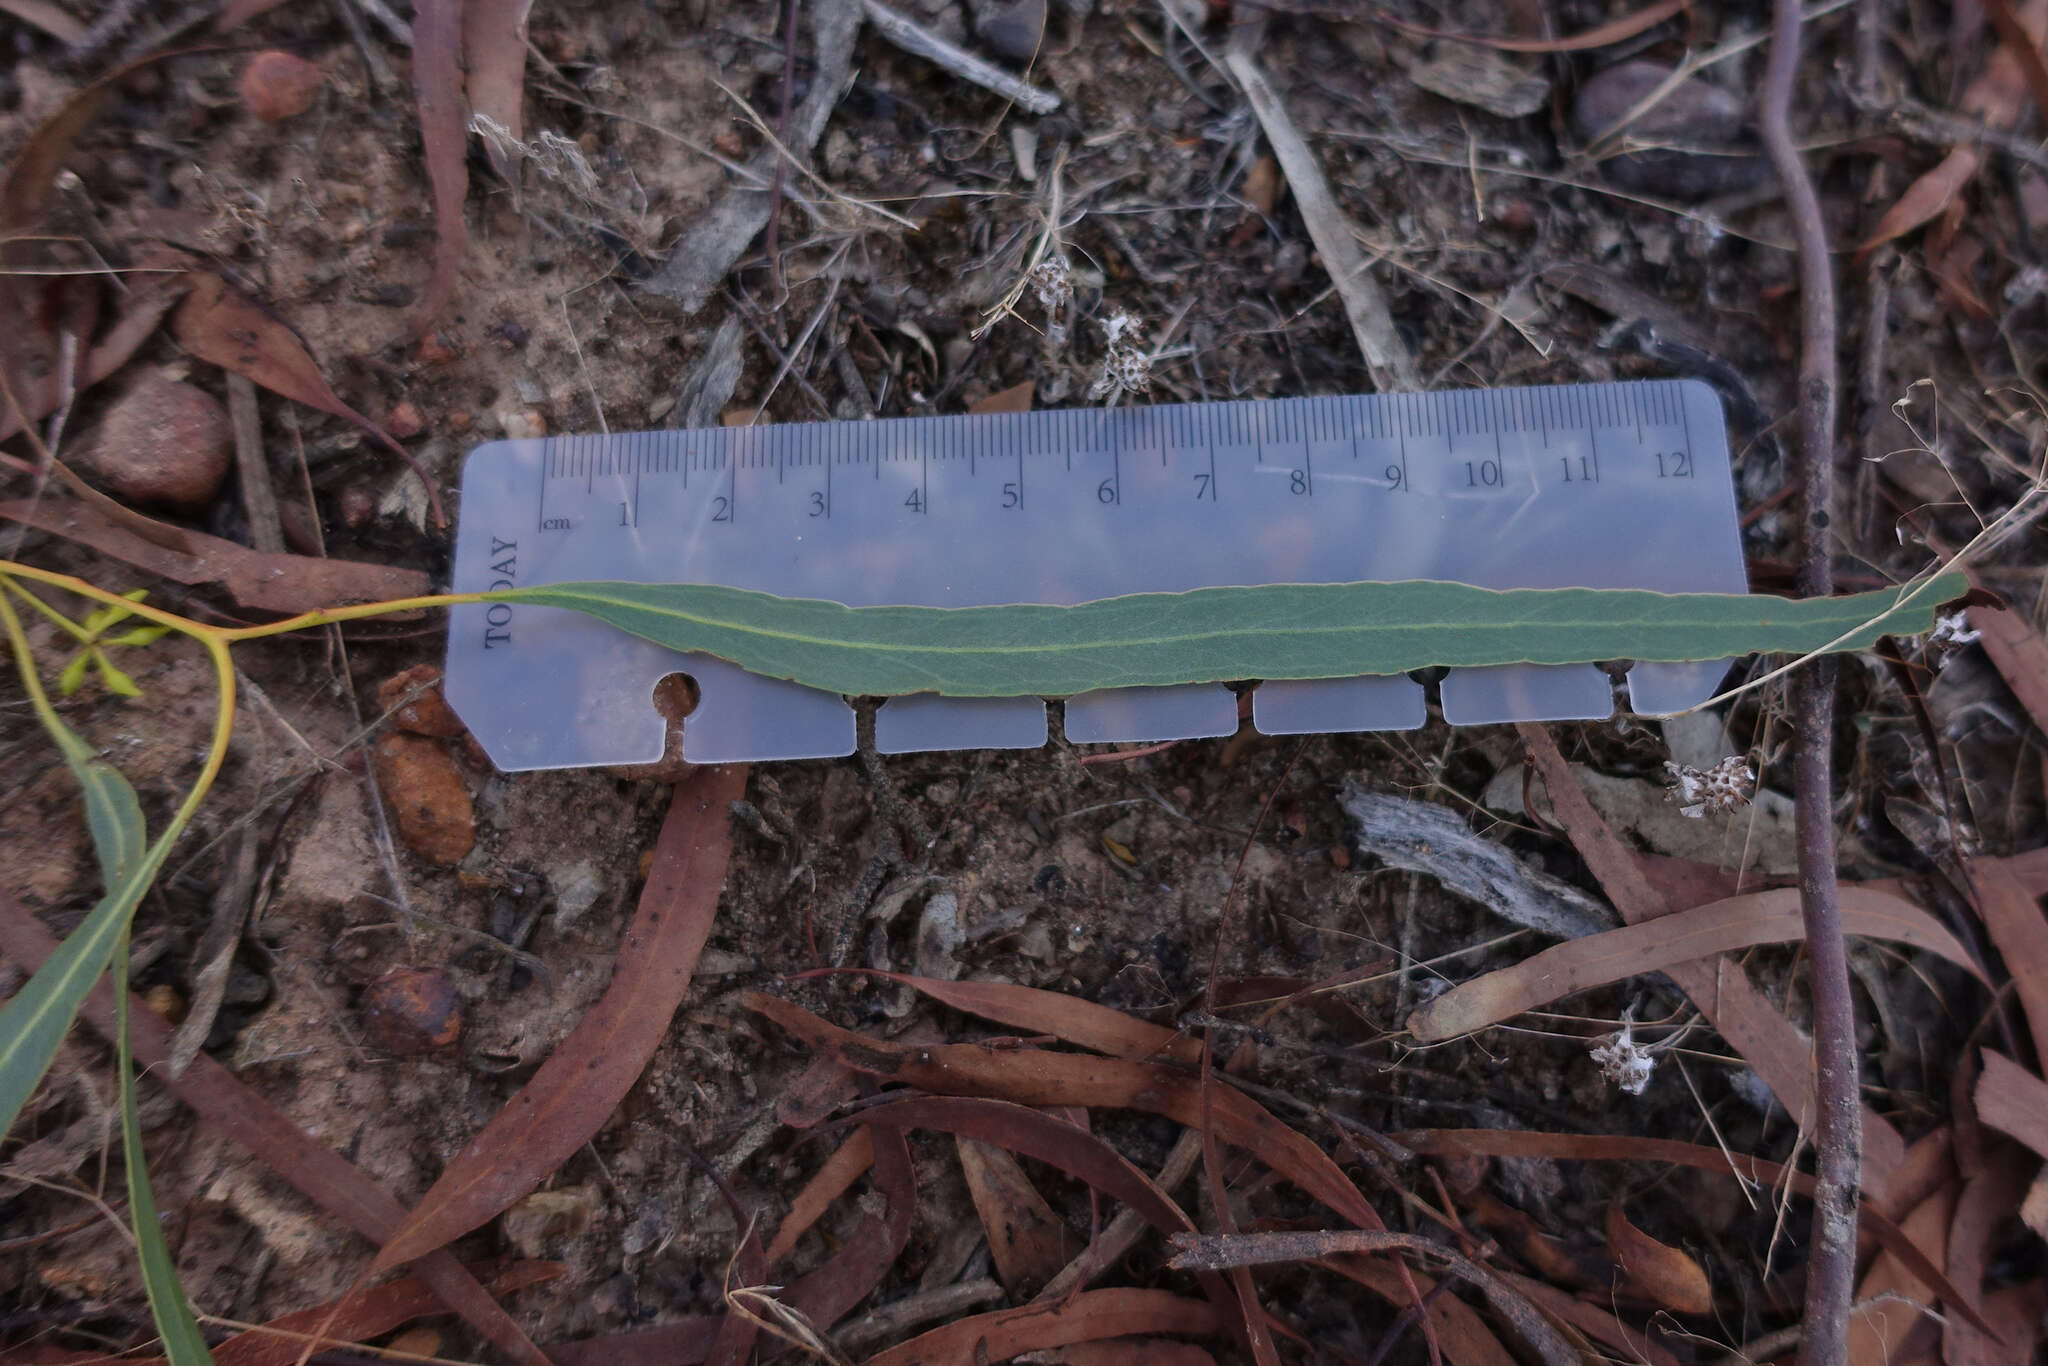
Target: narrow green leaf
[1219, 634]
[175, 1323]
[32, 1024]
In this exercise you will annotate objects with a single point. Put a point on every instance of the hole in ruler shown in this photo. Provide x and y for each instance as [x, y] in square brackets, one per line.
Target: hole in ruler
[675, 696]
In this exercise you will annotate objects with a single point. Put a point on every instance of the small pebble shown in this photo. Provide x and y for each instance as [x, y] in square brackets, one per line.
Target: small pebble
[427, 713]
[410, 1011]
[278, 86]
[427, 797]
[436, 350]
[405, 420]
[163, 441]
[165, 1002]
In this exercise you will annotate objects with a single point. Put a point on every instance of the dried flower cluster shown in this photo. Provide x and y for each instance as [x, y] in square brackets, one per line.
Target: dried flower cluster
[1724, 788]
[1623, 1061]
[1125, 366]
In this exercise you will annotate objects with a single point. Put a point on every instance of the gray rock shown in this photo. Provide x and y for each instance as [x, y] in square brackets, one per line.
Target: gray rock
[1013, 29]
[1712, 123]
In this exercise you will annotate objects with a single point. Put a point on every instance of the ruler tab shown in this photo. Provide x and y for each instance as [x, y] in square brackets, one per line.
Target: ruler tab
[1600, 486]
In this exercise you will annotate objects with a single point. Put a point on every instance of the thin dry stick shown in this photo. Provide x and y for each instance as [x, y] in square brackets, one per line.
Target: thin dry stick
[1838, 1131]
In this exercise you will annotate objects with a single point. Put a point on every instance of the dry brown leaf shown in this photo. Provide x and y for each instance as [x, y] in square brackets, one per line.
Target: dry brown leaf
[1030, 1076]
[444, 134]
[1877, 1331]
[1996, 98]
[2013, 1101]
[48, 17]
[257, 580]
[2020, 655]
[1015, 399]
[238, 12]
[1988, 1199]
[494, 61]
[848, 1161]
[1656, 1271]
[1028, 1242]
[1653, 945]
[1719, 987]
[1131, 1352]
[583, 1080]
[2012, 917]
[141, 310]
[1090, 1316]
[2025, 48]
[25, 193]
[226, 328]
[1461, 1331]
[1069, 1019]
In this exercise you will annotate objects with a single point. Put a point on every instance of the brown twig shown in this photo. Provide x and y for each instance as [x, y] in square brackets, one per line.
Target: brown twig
[1838, 1137]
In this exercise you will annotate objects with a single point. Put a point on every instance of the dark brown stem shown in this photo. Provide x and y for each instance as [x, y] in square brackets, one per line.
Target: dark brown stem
[1838, 1129]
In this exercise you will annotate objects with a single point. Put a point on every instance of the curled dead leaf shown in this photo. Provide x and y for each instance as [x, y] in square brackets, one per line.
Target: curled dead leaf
[1657, 1271]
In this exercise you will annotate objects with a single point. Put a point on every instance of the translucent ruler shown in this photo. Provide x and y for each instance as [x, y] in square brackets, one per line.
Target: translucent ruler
[1597, 486]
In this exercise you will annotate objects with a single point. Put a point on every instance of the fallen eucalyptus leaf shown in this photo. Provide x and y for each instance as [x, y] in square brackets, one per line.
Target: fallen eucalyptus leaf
[1211, 635]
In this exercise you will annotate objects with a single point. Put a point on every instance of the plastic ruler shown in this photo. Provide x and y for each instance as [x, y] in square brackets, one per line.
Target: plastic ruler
[1600, 486]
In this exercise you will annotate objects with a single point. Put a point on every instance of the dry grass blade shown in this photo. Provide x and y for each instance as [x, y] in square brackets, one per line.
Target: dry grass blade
[1653, 945]
[584, 1080]
[1092, 1316]
[225, 328]
[315, 1171]
[1719, 987]
[444, 134]
[1600, 35]
[260, 582]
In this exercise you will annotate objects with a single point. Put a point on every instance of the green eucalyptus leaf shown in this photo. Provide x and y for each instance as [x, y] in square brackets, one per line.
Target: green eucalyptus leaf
[1220, 634]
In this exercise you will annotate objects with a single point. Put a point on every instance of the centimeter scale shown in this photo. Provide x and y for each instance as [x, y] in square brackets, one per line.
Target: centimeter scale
[1595, 486]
